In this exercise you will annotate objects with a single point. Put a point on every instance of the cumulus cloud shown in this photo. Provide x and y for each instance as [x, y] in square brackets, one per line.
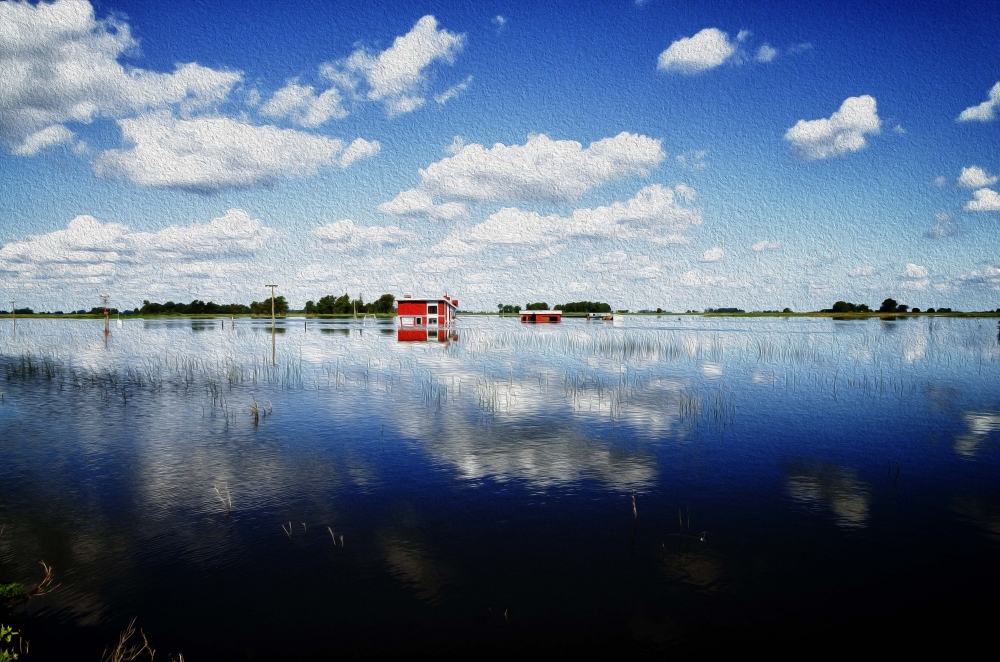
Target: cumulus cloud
[417, 203]
[359, 149]
[766, 53]
[91, 252]
[976, 177]
[914, 271]
[301, 105]
[984, 112]
[209, 154]
[541, 169]
[844, 132]
[714, 254]
[985, 199]
[653, 211]
[397, 77]
[59, 64]
[346, 235]
[863, 271]
[706, 50]
[766, 245]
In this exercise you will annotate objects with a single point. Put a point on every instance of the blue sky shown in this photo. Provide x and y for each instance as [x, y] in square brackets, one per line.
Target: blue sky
[644, 154]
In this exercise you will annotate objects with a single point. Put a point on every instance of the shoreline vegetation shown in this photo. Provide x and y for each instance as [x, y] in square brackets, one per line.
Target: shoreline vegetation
[343, 307]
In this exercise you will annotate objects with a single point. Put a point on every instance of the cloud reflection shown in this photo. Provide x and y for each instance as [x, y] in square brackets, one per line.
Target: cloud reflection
[822, 486]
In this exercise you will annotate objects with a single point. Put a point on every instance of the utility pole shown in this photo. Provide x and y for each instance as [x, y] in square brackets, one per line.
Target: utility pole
[272, 322]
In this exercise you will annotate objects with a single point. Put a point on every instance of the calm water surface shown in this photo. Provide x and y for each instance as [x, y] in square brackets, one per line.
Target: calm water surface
[797, 482]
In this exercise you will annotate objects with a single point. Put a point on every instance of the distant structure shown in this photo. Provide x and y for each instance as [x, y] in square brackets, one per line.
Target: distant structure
[541, 316]
[426, 318]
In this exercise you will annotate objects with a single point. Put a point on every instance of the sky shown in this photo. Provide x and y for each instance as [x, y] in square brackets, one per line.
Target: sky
[647, 154]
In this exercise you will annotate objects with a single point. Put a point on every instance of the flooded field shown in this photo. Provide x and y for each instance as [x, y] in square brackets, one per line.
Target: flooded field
[664, 484]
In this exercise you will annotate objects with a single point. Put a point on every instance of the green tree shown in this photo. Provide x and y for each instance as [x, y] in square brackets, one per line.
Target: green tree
[585, 307]
[540, 305]
[264, 307]
[888, 306]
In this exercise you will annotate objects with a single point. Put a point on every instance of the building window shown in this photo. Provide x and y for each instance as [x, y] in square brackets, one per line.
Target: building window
[432, 310]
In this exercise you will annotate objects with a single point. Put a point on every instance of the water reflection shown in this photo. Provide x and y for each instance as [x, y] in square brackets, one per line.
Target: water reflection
[822, 486]
[980, 426]
[512, 448]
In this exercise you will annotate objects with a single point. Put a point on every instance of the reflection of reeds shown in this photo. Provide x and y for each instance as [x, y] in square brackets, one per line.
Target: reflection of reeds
[288, 531]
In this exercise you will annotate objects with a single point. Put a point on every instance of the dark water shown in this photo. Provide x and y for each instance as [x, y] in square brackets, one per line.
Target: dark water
[800, 485]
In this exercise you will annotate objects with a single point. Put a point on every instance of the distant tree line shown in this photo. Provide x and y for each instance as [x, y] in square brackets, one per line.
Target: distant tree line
[196, 307]
[584, 307]
[888, 306]
[344, 305]
[264, 307]
[538, 305]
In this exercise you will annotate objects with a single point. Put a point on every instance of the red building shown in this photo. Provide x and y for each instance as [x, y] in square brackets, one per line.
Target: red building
[426, 313]
[541, 316]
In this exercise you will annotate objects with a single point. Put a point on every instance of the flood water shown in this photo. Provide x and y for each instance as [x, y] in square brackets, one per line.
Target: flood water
[799, 484]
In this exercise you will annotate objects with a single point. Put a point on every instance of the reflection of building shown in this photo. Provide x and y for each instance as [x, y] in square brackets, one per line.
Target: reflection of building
[426, 313]
[540, 316]
[422, 334]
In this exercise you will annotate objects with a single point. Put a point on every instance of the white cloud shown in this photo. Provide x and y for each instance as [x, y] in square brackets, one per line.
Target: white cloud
[499, 21]
[984, 112]
[59, 64]
[863, 271]
[397, 76]
[652, 211]
[987, 276]
[303, 106]
[56, 134]
[766, 245]
[914, 271]
[417, 203]
[541, 169]
[89, 252]
[976, 177]
[914, 277]
[766, 53]
[899, 130]
[359, 149]
[706, 50]
[345, 234]
[842, 133]
[940, 181]
[986, 199]
[577, 286]
[714, 254]
[453, 91]
[213, 153]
